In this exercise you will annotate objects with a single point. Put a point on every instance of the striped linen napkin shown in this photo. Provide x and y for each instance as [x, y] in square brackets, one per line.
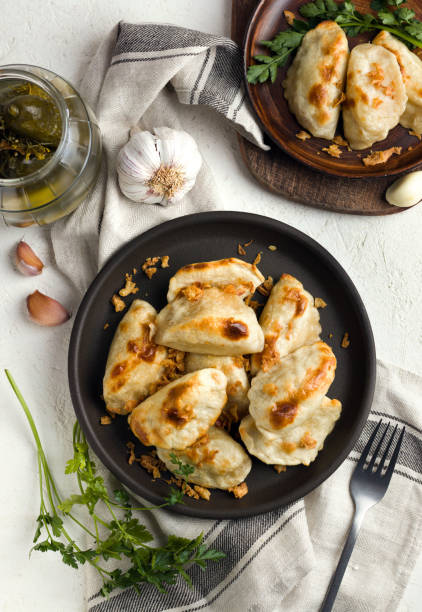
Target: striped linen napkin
[282, 560]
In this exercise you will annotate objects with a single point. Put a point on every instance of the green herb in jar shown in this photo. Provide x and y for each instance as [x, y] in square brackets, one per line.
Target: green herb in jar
[30, 129]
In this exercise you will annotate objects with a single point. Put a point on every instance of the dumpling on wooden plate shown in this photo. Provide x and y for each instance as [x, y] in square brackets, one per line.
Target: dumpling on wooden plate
[219, 461]
[300, 444]
[210, 321]
[411, 71]
[289, 320]
[315, 81]
[243, 276]
[134, 361]
[237, 379]
[287, 394]
[182, 411]
[375, 95]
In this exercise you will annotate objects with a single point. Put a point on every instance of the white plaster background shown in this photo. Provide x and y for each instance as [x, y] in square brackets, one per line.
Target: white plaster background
[383, 255]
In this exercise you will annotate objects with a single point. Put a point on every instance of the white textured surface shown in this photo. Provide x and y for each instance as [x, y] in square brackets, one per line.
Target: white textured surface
[382, 255]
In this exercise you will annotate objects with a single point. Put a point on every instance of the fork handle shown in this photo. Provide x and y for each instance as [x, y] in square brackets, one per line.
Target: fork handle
[331, 595]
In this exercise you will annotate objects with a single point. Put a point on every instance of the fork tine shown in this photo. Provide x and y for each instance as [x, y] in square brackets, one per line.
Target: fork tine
[377, 450]
[393, 459]
[367, 448]
[385, 455]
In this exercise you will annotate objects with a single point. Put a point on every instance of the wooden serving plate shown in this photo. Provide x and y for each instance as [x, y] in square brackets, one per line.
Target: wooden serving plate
[286, 176]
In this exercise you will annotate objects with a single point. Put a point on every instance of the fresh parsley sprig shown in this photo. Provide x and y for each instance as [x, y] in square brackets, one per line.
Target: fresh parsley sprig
[389, 15]
[184, 469]
[118, 536]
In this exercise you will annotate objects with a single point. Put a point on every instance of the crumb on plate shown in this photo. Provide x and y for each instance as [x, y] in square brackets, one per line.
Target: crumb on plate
[203, 492]
[239, 490]
[272, 247]
[118, 303]
[240, 250]
[266, 287]
[165, 261]
[380, 157]
[246, 244]
[257, 259]
[130, 286]
[302, 135]
[320, 303]
[174, 367]
[340, 141]
[254, 304]
[106, 419]
[345, 341]
[289, 17]
[106, 326]
[279, 468]
[332, 150]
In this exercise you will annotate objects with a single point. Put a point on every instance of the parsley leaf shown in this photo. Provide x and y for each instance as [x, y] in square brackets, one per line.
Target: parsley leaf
[122, 535]
[185, 469]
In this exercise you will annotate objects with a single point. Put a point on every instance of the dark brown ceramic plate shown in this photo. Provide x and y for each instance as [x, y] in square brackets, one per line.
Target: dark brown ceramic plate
[280, 124]
[205, 237]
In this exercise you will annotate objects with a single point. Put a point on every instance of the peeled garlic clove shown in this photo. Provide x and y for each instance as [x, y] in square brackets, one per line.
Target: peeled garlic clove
[26, 261]
[406, 191]
[45, 310]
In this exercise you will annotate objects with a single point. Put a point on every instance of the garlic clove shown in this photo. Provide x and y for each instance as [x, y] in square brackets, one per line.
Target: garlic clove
[45, 310]
[406, 191]
[26, 261]
[179, 148]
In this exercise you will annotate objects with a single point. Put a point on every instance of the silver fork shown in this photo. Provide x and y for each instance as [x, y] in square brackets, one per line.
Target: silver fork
[367, 487]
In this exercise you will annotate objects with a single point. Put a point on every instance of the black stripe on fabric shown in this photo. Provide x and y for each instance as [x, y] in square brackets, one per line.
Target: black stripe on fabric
[150, 59]
[394, 418]
[158, 37]
[224, 79]
[235, 540]
[242, 569]
[238, 107]
[201, 72]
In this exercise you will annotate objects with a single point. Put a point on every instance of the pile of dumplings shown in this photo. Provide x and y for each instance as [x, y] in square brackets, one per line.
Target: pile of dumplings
[283, 413]
[377, 86]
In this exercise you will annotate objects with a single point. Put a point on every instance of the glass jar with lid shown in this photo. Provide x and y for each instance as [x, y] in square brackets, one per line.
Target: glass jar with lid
[50, 146]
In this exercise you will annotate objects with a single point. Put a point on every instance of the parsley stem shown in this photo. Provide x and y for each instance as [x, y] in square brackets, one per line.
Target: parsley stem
[377, 26]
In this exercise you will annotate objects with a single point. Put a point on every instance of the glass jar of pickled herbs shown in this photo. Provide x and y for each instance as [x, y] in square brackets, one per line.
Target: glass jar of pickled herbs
[50, 146]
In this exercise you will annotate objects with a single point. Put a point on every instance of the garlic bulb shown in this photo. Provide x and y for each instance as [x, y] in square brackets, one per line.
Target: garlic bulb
[158, 168]
[406, 191]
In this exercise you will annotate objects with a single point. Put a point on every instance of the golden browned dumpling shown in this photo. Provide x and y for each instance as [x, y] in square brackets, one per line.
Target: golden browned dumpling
[134, 361]
[244, 277]
[411, 71]
[219, 461]
[315, 80]
[375, 95]
[289, 320]
[300, 444]
[237, 379]
[182, 411]
[209, 321]
[285, 396]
